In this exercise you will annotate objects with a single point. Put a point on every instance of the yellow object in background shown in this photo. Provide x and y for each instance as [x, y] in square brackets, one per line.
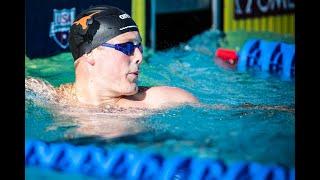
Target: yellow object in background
[283, 24]
[138, 13]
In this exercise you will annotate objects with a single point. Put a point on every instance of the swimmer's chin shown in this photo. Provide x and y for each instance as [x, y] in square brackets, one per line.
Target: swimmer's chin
[133, 91]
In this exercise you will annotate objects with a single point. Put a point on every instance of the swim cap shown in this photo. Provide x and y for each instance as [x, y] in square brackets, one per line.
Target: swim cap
[97, 25]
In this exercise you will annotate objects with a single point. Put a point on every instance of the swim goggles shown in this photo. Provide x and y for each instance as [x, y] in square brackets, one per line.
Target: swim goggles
[126, 48]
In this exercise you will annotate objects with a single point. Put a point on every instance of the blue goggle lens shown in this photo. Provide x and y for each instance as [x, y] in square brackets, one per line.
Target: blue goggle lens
[126, 48]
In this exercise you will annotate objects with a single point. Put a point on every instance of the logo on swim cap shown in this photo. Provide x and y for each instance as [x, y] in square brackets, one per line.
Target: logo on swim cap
[124, 16]
[59, 29]
[84, 21]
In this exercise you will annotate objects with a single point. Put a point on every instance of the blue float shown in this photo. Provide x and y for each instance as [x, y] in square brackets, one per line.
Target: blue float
[122, 163]
[249, 51]
[268, 56]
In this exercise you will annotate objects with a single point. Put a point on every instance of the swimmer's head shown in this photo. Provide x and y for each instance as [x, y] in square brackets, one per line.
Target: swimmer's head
[96, 26]
[106, 45]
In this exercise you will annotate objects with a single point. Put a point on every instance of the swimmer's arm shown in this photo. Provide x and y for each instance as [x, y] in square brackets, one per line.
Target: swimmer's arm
[164, 96]
[249, 106]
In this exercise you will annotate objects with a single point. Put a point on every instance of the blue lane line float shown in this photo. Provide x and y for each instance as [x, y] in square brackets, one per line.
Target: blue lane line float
[122, 163]
[249, 51]
[268, 56]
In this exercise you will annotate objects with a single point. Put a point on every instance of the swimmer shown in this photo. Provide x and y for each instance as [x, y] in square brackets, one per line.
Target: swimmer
[106, 46]
[107, 51]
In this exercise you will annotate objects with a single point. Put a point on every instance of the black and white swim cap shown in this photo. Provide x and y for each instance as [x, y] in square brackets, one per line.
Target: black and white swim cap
[97, 25]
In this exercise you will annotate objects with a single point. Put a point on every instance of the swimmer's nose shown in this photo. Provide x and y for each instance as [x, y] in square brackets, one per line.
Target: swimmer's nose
[137, 56]
[138, 61]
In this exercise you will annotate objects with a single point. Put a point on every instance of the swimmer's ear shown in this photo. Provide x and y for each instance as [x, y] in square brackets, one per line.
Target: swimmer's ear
[89, 59]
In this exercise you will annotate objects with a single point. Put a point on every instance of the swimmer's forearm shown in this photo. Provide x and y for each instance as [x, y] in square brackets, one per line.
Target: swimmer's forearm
[247, 106]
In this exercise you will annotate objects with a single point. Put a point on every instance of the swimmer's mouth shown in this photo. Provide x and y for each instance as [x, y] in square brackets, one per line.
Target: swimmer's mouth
[135, 73]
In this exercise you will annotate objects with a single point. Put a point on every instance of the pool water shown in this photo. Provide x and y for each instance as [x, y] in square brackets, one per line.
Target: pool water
[225, 127]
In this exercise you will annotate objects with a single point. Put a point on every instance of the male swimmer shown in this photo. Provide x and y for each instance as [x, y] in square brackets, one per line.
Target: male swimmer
[106, 46]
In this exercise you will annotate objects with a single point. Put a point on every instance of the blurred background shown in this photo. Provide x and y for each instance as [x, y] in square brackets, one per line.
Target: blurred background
[162, 23]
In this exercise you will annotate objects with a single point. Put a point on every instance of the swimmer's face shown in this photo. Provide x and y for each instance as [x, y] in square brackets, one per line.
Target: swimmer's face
[116, 71]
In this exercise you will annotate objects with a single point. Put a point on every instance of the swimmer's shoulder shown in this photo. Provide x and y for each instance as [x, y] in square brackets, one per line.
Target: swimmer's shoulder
[39, 90]
[38, 85]
[160, 96]
[32, 82]
[65, 88]
[66, 92]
